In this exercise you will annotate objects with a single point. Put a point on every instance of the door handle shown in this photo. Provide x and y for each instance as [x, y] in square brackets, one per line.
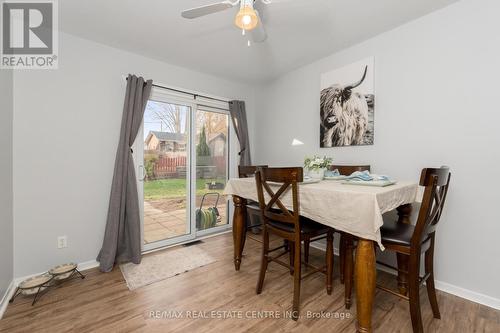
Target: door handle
[142, 173]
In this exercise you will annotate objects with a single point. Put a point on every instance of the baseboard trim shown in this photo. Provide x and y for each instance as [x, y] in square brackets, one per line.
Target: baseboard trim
[468, 294]
[6, 298]
[88, 265]
[442, 286]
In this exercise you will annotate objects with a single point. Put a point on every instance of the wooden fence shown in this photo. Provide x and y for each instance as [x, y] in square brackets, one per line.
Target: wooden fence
[168, 165]
[174, 167]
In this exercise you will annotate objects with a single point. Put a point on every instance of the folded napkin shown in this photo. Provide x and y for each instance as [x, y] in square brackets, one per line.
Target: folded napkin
[366, 176]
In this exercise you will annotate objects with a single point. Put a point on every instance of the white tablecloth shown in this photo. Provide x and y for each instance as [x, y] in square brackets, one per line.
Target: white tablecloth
[351, 208]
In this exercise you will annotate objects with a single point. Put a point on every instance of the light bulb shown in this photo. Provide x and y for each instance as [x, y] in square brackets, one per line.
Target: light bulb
[243, 32]
[247, 19]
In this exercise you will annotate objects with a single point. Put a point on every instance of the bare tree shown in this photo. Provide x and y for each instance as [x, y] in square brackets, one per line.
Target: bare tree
[173, 119]
[170, 117]
[214, 123]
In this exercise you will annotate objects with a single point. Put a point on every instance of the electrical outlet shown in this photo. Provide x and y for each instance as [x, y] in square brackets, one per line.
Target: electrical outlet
[62, 242]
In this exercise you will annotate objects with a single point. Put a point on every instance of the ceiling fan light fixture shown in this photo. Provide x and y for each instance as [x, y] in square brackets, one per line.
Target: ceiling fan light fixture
[246, 18]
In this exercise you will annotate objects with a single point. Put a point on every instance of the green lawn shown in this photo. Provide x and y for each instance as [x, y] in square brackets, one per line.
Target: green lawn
[173, 188]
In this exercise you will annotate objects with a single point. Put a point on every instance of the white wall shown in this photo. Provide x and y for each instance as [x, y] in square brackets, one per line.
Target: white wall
[6, 214]
[436, 82]
[66, 130]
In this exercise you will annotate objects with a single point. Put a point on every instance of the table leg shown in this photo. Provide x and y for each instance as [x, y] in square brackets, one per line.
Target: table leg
[239, 229]
[404, 213]
[365, 283]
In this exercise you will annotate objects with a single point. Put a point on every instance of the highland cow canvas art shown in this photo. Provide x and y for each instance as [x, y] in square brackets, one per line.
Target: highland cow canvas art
[347, 105]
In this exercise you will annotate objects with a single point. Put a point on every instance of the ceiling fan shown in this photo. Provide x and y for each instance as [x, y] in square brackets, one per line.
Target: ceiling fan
[247, 18]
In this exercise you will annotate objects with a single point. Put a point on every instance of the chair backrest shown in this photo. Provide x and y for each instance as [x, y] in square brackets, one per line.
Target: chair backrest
[248, 171]
[346, 170]
[436, 182]
[274, 209]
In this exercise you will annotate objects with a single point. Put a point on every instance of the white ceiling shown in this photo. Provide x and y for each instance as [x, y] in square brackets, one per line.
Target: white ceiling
[300, 31]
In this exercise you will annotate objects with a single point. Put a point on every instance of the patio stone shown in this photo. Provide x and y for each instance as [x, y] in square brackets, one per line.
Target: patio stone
[163, 224]
[180, 228]
[170, 219]
[152, 226]
[157, 235]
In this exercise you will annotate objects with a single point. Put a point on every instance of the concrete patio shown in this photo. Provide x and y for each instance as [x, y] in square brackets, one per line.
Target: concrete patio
[160, 224]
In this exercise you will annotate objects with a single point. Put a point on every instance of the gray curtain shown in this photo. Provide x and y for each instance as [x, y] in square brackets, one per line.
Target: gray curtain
[239, 117]
[122, 237]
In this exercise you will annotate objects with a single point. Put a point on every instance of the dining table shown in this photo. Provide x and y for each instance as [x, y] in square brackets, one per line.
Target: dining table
[353, 209]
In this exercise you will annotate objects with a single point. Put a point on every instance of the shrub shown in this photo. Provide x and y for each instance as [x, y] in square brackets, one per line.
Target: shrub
[202, 149]
[149, 165]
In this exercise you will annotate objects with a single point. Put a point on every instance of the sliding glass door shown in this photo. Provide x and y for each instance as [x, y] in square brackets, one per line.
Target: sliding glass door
[182, 162]
[212, 151]
[165, 171]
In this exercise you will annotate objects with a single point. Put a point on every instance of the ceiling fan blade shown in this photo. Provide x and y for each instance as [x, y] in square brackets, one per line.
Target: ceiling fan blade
[259, 34]
[206, 10]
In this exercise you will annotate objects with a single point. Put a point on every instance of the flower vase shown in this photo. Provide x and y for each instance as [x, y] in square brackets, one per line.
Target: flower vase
[317, 174]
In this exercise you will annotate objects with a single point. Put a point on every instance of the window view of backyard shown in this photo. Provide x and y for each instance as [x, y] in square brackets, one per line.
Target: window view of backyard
[211, 168]
[166, 181]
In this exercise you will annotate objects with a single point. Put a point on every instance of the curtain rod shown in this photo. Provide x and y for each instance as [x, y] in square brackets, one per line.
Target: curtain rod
[187, 93]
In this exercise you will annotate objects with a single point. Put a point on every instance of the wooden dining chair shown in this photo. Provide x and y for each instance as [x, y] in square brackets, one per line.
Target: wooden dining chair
[346, 170]
[411, 241]
[253, 211]
[289, 225]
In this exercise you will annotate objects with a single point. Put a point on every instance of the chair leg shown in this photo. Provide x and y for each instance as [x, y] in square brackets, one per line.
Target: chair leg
[307, 242]
[413, 288]
[348, 270]
[431, 290]
[296, 280]
[402, 260]
[291, 245]
[342, 249]
[329, 262]
[264, 260]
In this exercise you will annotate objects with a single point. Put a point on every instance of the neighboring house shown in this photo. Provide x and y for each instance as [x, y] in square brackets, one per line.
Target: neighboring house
[165, 142]
[217, 145]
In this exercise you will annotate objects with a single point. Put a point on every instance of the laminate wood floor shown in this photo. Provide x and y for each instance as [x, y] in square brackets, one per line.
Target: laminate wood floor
[103, 303]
